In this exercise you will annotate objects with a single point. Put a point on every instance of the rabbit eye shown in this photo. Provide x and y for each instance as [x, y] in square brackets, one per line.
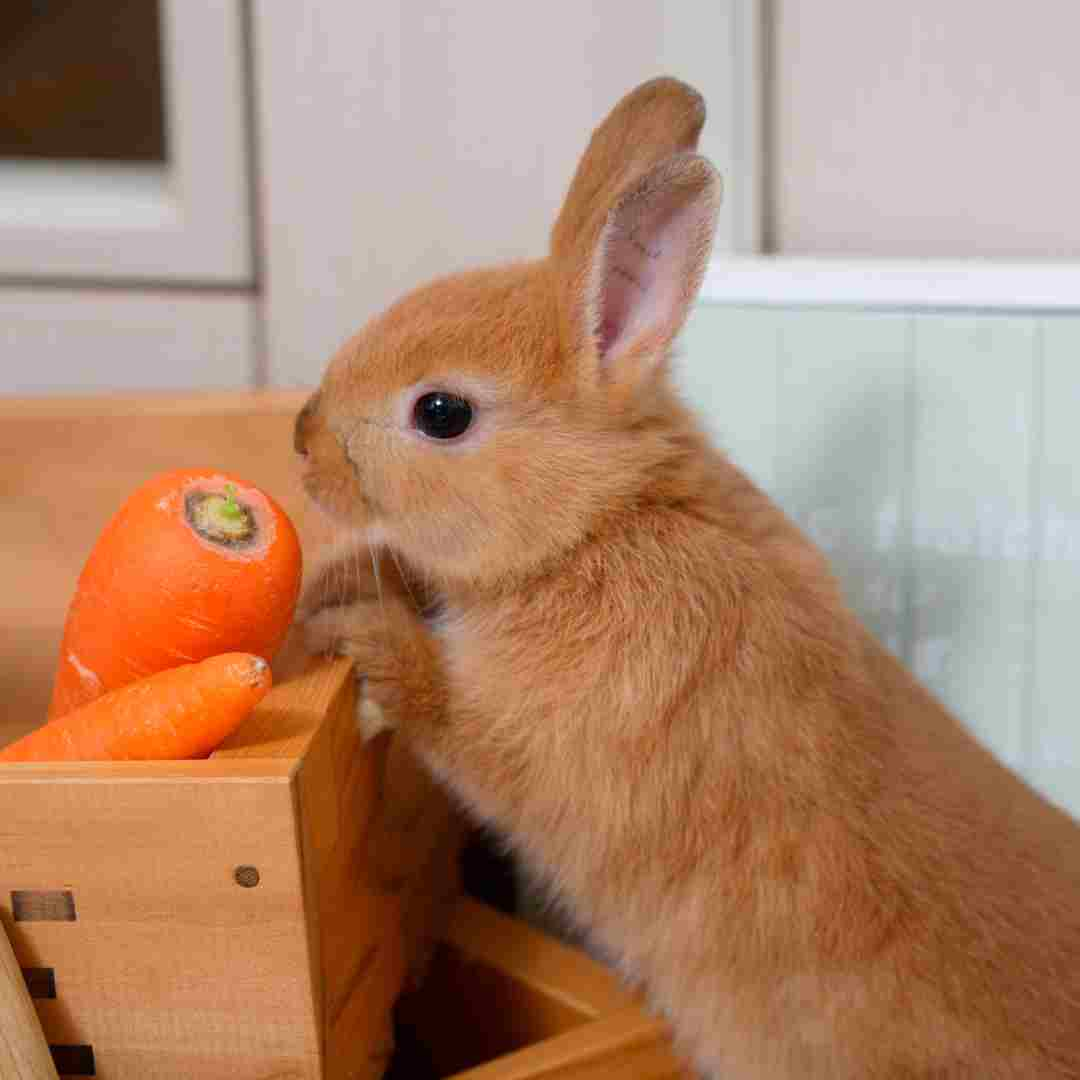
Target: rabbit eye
[442, 416]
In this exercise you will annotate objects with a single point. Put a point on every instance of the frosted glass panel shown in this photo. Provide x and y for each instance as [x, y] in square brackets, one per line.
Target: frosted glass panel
[936, 460]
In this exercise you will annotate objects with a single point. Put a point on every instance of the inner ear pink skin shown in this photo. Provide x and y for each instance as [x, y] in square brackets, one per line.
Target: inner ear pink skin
[646, 261]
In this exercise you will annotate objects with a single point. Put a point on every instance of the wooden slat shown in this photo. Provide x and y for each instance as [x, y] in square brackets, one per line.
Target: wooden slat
[380, 853]
[24, 1054]
[211, 770]
[624, 1044]
[356, 939]
[540, 999]
[535, 960]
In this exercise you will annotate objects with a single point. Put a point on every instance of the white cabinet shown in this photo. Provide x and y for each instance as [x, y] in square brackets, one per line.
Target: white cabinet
[130, 274]
[322, 159]
[186, 219]
[399, 142]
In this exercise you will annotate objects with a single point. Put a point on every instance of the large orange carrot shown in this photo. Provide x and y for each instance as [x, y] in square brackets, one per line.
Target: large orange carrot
[183, 712]
[195, 563]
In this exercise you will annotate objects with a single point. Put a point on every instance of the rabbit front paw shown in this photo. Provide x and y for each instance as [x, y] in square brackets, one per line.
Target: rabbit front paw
[382, 637]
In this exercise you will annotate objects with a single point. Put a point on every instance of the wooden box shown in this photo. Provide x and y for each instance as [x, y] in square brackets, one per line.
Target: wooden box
[257, 914]
[236, 917]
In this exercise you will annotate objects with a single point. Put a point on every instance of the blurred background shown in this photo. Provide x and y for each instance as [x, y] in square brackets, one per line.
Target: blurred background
[210, 196]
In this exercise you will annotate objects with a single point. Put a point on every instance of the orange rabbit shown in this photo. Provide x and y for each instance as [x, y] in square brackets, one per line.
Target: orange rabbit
[640, 671]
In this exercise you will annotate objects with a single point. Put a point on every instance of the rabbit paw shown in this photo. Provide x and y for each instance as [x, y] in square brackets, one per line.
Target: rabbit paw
[384, 640]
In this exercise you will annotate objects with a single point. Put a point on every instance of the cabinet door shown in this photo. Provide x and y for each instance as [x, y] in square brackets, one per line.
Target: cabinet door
[74, 204]
[403, 141]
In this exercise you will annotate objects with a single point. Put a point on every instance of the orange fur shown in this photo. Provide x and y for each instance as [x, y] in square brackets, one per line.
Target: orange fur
[638, 669]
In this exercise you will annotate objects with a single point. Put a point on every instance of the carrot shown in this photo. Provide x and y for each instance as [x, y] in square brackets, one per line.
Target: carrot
[194, 564]
[183, 712]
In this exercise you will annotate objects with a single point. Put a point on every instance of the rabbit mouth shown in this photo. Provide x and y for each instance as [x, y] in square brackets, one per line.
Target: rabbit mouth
[352, 508]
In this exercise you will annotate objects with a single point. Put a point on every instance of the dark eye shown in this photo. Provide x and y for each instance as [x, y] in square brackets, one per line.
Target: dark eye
[442, 416]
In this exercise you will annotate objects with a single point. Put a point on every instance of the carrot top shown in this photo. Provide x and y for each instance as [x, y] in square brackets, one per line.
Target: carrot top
[219, 517]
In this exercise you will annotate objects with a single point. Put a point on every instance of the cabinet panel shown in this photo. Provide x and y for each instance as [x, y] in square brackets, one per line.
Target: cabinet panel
[399, 142]
[183, 219]
[58, 340]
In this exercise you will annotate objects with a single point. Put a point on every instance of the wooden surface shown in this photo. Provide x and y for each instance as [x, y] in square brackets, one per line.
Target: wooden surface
[622, 1045]
[170, 968]
[283, 725]
[549, 1010]
[24, 1053]
[535, 961]
[380, 842]
[72, 463]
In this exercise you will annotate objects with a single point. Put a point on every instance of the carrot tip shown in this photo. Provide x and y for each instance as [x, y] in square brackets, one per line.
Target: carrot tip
[260, 670]
[220, 519]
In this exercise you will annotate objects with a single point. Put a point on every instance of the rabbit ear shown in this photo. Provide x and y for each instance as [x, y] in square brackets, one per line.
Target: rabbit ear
[631, 243]
[627, 298]
[660, 118]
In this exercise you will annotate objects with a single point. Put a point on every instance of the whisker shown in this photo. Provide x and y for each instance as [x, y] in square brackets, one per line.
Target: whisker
[405, 581]
[375, 570]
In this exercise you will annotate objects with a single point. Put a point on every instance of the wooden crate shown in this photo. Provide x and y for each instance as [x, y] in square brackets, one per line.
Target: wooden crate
[257, 914]
[247, 916]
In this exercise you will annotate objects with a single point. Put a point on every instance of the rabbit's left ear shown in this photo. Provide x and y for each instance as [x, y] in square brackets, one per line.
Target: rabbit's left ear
[645, 268]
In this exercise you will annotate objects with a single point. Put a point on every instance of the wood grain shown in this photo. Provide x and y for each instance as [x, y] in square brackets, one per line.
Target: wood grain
[24, 1053]
[535, 960]
[284, 723]
[549, 1009]
[171, 969]
[308, 979]
[624, 1044]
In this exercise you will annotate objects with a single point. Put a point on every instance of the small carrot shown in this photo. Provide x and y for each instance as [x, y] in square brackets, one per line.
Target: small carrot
[194, 564]
[183, 712]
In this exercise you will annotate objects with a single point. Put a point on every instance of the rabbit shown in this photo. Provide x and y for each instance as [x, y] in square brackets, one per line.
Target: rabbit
[621, 655]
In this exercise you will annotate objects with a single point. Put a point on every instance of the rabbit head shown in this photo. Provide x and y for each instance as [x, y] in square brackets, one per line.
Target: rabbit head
[485, 422]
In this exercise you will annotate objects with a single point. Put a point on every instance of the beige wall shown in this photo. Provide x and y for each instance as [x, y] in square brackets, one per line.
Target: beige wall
[924, 128]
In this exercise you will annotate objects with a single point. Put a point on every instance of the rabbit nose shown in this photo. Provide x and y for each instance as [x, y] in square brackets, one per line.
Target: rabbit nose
[303, 424]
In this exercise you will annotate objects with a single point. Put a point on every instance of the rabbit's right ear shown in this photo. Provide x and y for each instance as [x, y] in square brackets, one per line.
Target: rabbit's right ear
[632, 242]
